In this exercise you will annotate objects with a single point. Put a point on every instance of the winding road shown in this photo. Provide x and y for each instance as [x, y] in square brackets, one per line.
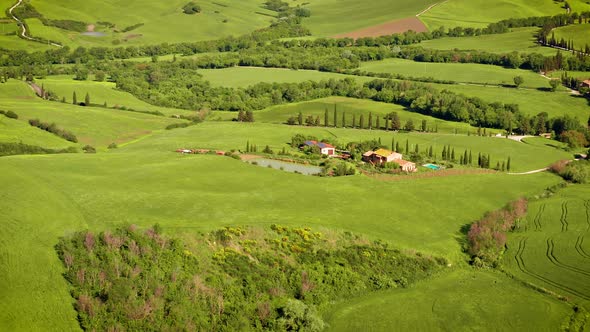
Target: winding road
[24, 27]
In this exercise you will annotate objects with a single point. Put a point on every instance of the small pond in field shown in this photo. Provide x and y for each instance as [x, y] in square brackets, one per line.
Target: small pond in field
[287, 167]
[432, 166]
[94, 34]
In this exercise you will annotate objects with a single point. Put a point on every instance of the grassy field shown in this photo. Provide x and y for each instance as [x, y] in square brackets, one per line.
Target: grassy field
[280, 114]
[578, 33]
[456, 301]
[458, 72]
[551, 248]
[95, 126]
[479, 13]
[163, 21]
[49, 196]
[331, 17]
[100, 92]
[232, 135]
[531, 102]
[577, 74]
[236, 77]
[522, 40]
[15, 131]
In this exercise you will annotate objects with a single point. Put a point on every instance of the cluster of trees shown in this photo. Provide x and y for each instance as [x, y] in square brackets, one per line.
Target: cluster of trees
[10, 149]
[191, 8]
[487, 237]
[253, 279]
[9, 114]
[52, 128]
[549, 24]
[247, 116]
[284, 11]
[575, 171]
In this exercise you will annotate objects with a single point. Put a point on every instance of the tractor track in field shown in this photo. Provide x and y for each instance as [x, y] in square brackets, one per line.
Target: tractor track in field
[537, 219]
[551, 256]
[579, 248]
[563, 218]
[523, 269]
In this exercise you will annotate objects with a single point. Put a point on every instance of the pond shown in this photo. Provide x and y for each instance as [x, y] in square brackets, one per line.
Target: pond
[94, 34]
[432, 166]
[288, 167]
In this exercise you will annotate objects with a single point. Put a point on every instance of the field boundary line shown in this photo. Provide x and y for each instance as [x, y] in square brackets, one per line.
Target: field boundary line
[430, 7]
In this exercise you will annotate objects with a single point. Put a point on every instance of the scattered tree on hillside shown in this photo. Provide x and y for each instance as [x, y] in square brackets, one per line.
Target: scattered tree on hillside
[87, 99]
[191, 8]
[74, 98]
[554, 84]
[518, 81]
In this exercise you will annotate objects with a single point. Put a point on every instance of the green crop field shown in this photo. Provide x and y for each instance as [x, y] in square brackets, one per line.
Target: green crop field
[458, 301]
[331, 17]
[94, 126]
[551, 247]
[349, 106]
[100, 92]
[521, 40]
[479, 13]
[246, 76]
[578, 33]
[458, 72]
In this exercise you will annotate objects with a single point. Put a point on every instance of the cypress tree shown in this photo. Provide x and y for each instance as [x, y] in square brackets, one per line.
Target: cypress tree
[336, 117]
[508, 165]
[380, 141]
[300, 118]
[461, 160]
[362, 122]
[465, 158]
[430, 152]
[453, 155]
[417, 149]
[326, 118]
[105, 105]
[353, 120]
[248, 146]
[503, 166]
[397, 148]
[489, 161]
[444, 153]
[74, 99]
[343, 120]
[407, 146]
[370, 120]
[479, 159]
[87, 99]
[387, 123]
[498, 166]
[470, 159]
[377, 124]
[392, 143]
[63, 99]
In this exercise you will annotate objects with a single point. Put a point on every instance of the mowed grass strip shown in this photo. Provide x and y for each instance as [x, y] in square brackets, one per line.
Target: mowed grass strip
[233, 135]
[101, 92]
[95, 126]
[355, 107]
[241, 77]
[458, 72]
[475, 300]
[521, 40]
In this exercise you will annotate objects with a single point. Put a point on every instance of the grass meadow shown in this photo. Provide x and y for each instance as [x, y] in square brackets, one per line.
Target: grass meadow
[15, 131]
[578, 33]
[45, 197]
[551, 248]
[241, 77]
[279, 114]
[331, 17]
[480, 13]
[520, 39]
[458, 72]
[101, 92]
[98, 127]
[459, 300]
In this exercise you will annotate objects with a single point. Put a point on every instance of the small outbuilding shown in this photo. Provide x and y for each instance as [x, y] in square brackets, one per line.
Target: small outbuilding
[325, 148]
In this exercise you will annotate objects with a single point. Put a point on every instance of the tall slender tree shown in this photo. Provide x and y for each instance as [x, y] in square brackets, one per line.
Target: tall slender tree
[326, 118]
[74, 98]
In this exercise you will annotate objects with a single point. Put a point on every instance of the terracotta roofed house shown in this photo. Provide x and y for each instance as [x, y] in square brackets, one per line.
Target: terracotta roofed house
[381, 156]
[585, 84]
[325, 148]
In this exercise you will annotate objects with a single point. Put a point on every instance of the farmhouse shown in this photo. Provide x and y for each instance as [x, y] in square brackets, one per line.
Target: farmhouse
[325, 148]
[381, 156]
[585, 84]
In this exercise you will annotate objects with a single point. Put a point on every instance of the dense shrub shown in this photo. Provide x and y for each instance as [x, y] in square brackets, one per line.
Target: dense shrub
[574, 171]
[487, 237]
[9, 149]
[9, 114]
[52, 128]
[191, 8]
[230, 279]
[89, 149]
